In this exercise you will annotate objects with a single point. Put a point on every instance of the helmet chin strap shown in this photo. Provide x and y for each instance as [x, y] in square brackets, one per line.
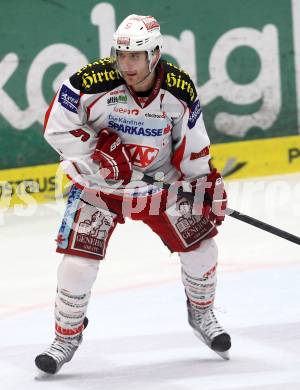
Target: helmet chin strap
[150, 72]
[141, 81]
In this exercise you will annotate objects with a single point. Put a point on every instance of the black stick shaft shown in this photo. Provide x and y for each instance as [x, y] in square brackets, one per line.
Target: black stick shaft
[263, 226]
[230, 212]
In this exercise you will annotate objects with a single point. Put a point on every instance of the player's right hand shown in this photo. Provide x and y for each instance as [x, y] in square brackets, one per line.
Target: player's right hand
[113, 157]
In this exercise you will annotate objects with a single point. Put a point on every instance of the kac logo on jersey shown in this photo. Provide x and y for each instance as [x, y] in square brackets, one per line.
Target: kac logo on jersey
[194, 114]
[68, 99]
[141, 156]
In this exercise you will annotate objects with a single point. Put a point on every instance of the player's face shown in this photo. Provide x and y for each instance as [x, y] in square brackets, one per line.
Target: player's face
[134, 66]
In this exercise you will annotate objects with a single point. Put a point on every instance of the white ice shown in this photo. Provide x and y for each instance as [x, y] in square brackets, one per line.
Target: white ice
[138, 336]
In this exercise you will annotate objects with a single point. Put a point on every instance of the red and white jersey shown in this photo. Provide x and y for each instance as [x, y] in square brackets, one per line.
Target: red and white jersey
[163, 132]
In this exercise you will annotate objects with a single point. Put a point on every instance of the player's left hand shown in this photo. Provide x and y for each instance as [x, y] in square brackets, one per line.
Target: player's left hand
[214, 201]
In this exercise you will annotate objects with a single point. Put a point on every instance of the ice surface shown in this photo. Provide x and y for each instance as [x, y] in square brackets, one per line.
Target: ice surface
[138, 336]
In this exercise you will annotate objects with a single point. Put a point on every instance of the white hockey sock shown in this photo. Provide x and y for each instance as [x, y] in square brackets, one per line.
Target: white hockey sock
[70, 310]
[76, 276]
[199, 274]
[200, 291]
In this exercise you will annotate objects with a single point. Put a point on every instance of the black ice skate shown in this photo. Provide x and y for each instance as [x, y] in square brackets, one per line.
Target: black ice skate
[208, 330]
[60, 352]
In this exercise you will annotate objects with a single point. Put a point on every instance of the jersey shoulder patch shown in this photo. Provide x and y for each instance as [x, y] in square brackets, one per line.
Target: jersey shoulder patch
[98, 76]
[178, 83]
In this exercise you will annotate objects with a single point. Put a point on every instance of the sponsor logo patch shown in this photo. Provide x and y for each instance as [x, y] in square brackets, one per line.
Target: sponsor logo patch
[121, 110]
[122, 99]
[181, 82]
[112, 100]
[124, 121]
[167, 129]
[123, 41]
[150, 23]
[204, 152]
[135, 130]
[92, 231]
[90, 78]
[154, 115]
[69, 216]
[189, 228]
[68, 99]
[194, 114]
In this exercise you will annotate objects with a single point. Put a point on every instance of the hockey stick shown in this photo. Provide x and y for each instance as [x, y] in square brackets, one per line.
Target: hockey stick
[230, 212]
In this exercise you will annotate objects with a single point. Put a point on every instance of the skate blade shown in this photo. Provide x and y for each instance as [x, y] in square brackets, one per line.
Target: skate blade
[42, 376]
[224, 355]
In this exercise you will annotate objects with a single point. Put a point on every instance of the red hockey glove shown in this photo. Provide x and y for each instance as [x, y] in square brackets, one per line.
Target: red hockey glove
[113, 157]
[214, 201]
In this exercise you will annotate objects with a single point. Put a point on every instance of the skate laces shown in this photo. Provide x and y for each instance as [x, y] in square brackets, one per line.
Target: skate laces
[62, 350]
[207, 322]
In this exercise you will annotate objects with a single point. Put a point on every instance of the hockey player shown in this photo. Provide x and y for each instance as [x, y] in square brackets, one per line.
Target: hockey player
[133, 112]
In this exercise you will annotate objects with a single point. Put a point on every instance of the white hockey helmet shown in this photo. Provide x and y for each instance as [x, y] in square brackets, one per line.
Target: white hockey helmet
[138, 33]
